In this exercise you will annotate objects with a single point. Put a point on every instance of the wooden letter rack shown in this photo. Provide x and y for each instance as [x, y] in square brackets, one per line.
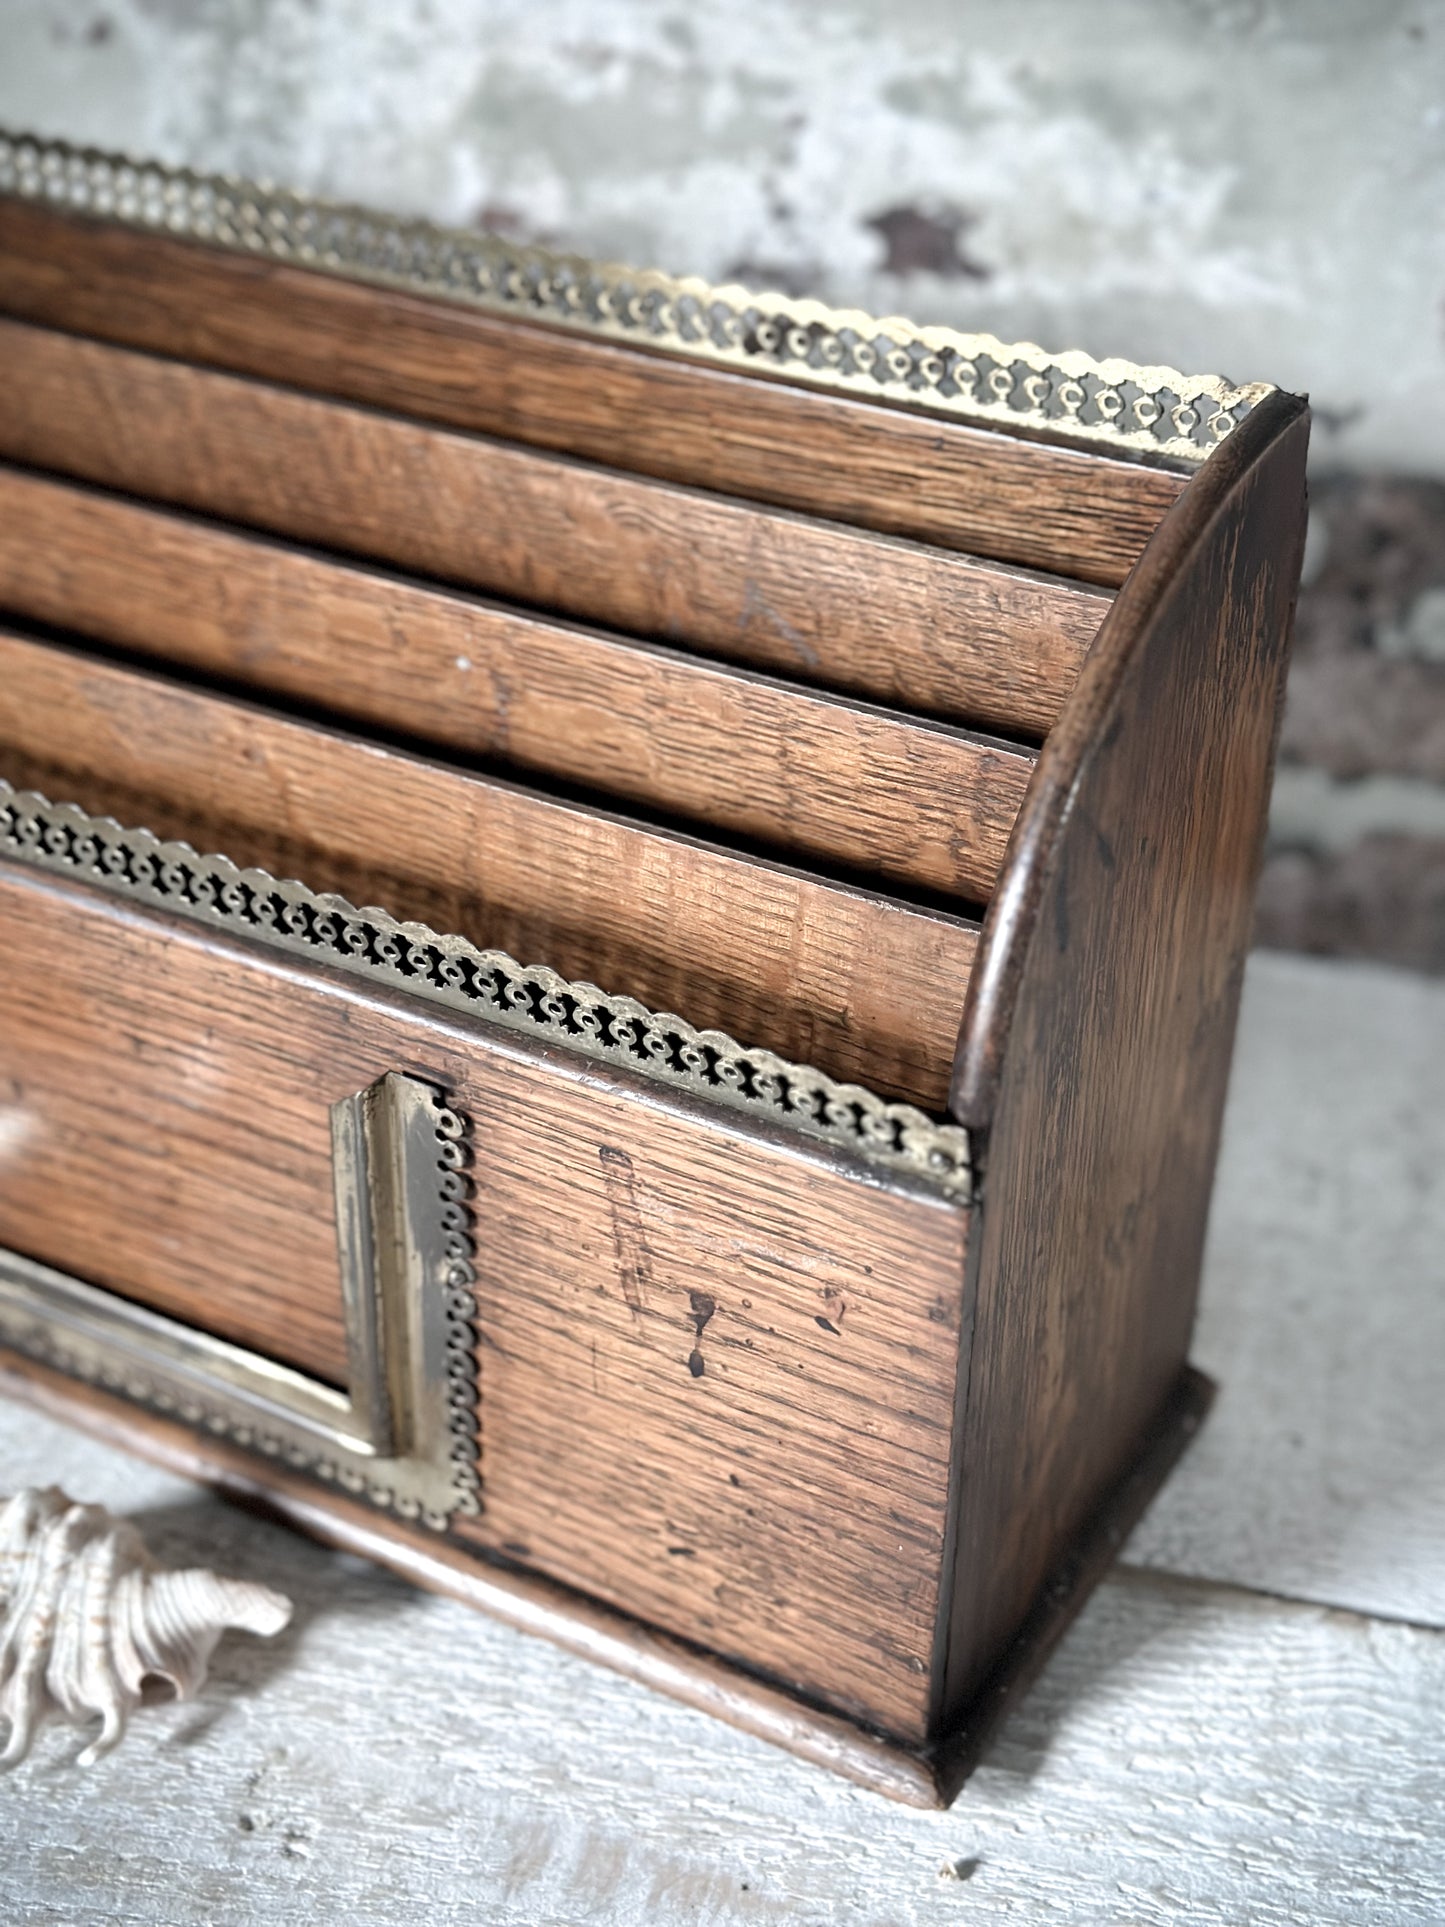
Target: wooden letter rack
[898, 702]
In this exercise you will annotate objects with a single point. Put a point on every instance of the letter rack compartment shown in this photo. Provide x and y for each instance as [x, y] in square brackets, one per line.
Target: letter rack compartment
[623, 912]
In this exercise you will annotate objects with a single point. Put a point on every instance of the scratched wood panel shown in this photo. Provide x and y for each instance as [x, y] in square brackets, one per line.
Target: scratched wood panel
[904, 624]
[702, 1349]
[1192, 1754]
[903, 802]
[865, 986]
[1096, 1046]
[886, 468]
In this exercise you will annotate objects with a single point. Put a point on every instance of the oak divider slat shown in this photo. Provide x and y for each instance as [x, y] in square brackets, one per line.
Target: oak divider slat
[902, 803]
[1076, 514]
[864, 986]
[906, 625]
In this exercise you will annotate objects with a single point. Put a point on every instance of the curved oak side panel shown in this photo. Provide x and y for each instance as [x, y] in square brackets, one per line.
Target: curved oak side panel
[1098, 1026]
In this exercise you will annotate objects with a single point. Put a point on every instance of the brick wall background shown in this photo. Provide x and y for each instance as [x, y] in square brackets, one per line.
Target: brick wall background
[1247, 186]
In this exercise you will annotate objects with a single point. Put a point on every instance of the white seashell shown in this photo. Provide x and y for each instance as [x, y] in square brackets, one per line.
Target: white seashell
[86, 1619]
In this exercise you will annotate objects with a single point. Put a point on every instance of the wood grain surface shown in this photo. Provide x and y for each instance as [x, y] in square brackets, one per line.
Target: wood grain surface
[913, 627]
[716, 1368]
[898, 801]
[865, 986]
[853, 461]
[1096, 1041]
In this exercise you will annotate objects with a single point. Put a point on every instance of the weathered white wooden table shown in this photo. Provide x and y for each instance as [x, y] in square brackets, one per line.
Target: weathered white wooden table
[1247, 1725]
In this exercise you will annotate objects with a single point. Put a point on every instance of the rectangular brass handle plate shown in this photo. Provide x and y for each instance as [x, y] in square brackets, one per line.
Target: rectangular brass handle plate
[405, 1435]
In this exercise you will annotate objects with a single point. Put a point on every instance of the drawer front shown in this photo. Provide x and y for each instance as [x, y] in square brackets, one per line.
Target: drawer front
[715, 1366]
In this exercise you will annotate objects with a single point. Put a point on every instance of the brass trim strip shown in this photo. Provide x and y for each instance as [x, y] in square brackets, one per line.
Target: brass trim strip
[94, 1335]
[577, 1017]
[399, 1156]
[1110, 405]
[420, 1461]
[375, 1403]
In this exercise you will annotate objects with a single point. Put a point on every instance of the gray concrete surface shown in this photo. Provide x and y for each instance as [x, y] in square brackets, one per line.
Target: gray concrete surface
[1197, 1752]
[1321, 1472]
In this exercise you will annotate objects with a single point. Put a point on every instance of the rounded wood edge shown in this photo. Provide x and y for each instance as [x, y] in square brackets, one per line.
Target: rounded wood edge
[1009, 922]
[525, 1601]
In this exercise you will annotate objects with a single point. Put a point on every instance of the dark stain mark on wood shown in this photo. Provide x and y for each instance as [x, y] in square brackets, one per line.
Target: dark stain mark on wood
[835, 1308]
[703, 1305]
[629, 1239]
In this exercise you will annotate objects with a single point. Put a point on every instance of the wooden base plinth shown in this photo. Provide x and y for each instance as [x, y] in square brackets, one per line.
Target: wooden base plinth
[930, 1777]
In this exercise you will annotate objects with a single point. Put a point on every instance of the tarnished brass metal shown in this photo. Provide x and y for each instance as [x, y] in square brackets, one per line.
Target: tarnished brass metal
[405, 1434]
[1112, 404]
[404, 1234]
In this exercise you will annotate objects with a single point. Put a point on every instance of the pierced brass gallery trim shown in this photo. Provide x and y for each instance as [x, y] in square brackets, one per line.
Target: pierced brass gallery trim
[488, 984]
[1111, 405]
[405, 1434]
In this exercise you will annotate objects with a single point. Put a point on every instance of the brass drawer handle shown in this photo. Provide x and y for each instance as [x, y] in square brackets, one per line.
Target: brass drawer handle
[405, 1435]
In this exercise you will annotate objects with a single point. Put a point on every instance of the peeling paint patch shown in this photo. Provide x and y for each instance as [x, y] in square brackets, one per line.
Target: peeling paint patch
[918, 240]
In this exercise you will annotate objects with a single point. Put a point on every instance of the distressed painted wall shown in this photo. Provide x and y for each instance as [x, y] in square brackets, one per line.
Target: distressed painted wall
[1247, 186]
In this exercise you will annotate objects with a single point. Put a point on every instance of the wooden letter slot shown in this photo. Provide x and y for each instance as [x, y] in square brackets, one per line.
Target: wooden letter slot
[623, 912]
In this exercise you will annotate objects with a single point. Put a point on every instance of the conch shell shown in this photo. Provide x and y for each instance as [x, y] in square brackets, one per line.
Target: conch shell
[86, 1618]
